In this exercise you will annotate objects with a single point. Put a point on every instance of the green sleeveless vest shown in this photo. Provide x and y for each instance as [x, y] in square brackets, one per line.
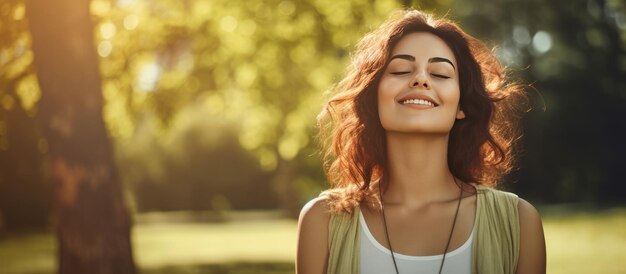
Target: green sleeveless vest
[495, 248]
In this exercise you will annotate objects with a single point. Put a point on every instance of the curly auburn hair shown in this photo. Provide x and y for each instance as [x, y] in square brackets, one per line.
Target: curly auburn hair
[481, 146]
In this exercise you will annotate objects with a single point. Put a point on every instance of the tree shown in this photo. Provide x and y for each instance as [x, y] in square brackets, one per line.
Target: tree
[92, 223]
[24, 199]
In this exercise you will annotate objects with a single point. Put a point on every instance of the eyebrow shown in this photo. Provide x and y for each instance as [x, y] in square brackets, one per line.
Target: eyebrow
[431, 60]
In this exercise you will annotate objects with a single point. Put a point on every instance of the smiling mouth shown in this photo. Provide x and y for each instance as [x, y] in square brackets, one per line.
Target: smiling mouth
[418, 102]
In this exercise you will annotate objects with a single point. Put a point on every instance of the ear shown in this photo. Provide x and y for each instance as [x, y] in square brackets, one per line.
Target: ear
[460, 114]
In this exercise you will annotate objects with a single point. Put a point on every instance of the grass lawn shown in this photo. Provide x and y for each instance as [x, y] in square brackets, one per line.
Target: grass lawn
[576, 242]
[586, 242]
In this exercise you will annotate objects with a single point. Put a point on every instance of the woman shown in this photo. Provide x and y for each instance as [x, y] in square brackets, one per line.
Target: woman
[421, 129]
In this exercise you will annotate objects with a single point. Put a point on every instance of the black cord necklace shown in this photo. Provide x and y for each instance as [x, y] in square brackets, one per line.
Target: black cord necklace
[393, 257]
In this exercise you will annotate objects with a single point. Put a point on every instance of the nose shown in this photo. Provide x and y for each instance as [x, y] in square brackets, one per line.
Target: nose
[420, 80]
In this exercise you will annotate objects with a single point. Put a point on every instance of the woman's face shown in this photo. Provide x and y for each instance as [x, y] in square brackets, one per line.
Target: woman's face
[419, 90]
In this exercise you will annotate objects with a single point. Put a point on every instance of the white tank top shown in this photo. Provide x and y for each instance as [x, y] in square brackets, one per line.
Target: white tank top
[376, 259]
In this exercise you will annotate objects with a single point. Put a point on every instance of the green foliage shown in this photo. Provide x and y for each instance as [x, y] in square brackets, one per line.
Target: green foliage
[264, 65]
[260, 68]
[17, 79]
[196, 164]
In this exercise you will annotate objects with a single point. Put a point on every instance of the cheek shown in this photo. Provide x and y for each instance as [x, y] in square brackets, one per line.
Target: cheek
[450, 92]
[384, 102]
[387, 91]
[454, 96]
[381, 95]
[383, 87]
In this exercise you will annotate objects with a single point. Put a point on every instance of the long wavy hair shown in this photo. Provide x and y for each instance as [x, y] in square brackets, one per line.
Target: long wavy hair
[481, 147]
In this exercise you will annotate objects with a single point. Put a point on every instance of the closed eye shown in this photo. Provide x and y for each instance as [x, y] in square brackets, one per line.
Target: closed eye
[400, 72]
[440, 76]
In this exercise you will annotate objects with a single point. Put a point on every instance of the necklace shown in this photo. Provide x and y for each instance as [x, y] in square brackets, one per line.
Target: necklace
[393, 257]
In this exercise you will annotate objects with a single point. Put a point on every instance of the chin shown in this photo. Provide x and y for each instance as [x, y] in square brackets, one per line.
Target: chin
[419, 130]
[419, 127]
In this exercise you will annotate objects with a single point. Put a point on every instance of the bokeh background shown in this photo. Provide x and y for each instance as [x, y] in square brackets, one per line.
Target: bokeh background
[205, 115]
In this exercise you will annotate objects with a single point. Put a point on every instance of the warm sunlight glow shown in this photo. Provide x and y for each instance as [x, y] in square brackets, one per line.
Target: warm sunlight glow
[107, 30]
[148, 77]
[105, 48]
[29, 93]
[7, 102]
[228, 23]
[131, 21]
[100, 7]
[18, 13]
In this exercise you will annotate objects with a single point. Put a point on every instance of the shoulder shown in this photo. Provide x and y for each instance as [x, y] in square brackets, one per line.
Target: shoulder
[523, 215]
[528, 214]
[316, 212]
[529, 220]
[314, 219]
[532, 256]
[530, 223]
[312, 249]
[496, 196]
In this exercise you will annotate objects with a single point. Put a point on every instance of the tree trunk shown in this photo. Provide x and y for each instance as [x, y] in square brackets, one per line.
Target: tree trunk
[24, 194]
[91, 220]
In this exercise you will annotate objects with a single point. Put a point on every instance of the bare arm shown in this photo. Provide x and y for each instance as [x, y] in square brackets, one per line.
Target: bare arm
[532, 257]
[312, 254]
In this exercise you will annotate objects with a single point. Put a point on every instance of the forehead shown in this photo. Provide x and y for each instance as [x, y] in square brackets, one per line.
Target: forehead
[423, 45]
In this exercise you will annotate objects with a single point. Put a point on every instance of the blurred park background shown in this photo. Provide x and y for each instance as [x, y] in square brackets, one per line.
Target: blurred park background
[165, 136]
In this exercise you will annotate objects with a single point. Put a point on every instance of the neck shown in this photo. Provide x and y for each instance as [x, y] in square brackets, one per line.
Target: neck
[418, 171]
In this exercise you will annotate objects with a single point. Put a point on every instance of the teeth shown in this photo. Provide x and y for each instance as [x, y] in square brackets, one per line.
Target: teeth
[418, 102]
